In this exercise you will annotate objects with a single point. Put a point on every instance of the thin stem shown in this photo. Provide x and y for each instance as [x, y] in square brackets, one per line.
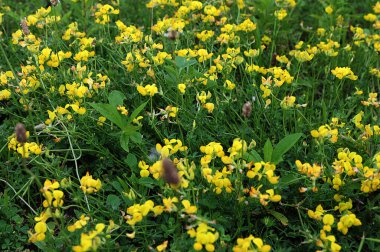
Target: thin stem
[76, 163]
[26, 203]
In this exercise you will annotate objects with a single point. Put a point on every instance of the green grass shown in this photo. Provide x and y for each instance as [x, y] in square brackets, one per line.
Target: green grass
[60, 106]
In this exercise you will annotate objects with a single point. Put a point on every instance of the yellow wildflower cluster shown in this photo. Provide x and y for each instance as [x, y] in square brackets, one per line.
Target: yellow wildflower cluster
[90, 185]
[53, 200]
[329, 48]
[24, 149]
[161, 3]
[343, 72]
[150, 90]
[73, 30]
[90, 241]
[372, 100]
[312, 171]
[40, 18]
[350, 163]
[5, 94]
[5, 77]
[79, 224]
[205, 237]
[328, 242]
[171, 147]
[188, 208]
[30, 41]
[219, 178]
[317, 214]
[50, 58]
[186, 171]
[128, 34]
[325, 132]
[103, 12]
[136, 212]
[59, 112]
[260, 169]
[347, 221]
[251, 243]
[264, 198]
[325, 241]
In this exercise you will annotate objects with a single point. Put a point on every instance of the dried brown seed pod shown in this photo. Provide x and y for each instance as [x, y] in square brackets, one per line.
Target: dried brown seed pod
[169, 172]
[247, 109]
[20, 133]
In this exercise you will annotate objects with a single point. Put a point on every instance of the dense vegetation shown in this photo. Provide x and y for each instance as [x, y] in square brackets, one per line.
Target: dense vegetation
[238, 125]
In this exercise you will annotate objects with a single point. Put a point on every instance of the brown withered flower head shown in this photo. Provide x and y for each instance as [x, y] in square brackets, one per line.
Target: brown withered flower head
[20, 133]
[169, 172]
[247, 109]
[24, 27]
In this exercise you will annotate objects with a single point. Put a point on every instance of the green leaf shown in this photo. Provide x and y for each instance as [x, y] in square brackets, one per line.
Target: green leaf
[172, 75]
[131, 160]
[289, 179]
[324, 112]
[116, 98]
[125, 186]
[253, 156]
[113, 201]
[268, 149]
[182, 62]
[373, 239]
[117, 186]
[280, 217]
[136, 137]
[136, 112]
[284, 146]
[110, 112]
[124, 141]
[147, 182]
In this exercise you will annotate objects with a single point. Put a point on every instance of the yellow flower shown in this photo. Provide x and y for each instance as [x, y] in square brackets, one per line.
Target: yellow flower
[205, 35]
[90, 185]
[5, 94]
[182, 88]
[272, 196]
[342, 72]
[205, 236]
[150, 90]
[144, 172]
[169, 204]
[370, 17]
[162, 246]
[122, 110]
[101, 120]
[328, 220]
[329, 9]
[40, 229]
[90, 241]
[246, 244]
[79, 223]
[317, 214]
[280, 14]
[347, 221]
[203, 55]
[209, 106]
[229, 85]
[189, 209]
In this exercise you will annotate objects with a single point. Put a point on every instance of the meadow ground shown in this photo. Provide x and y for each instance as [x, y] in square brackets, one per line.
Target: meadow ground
[169, 125]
